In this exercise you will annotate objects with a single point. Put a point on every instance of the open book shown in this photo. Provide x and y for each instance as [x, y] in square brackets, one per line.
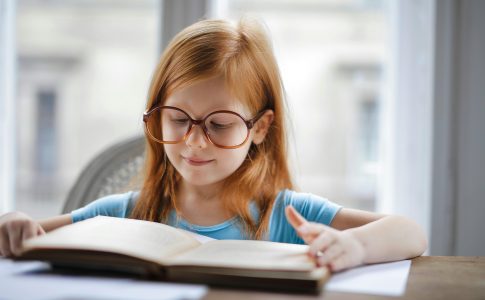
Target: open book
[172, 254]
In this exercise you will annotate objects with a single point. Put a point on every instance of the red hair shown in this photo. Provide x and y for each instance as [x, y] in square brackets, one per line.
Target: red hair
[243, 55]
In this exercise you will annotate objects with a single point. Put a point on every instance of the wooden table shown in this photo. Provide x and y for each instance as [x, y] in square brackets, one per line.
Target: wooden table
[431, 277]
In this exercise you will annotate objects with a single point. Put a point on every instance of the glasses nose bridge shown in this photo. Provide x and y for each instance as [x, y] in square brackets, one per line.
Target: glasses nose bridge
[199, 123]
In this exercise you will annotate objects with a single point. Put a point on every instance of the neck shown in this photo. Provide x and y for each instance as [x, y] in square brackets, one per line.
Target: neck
[206, 193]
[201, 204]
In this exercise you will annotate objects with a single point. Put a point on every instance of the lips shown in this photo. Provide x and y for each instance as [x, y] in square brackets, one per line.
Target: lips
[195, 161]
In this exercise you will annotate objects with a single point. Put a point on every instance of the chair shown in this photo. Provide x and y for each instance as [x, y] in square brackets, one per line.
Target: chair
[115, 170]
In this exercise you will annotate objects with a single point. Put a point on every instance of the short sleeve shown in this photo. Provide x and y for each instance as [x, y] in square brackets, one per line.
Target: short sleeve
[117, 205]
[311, 207]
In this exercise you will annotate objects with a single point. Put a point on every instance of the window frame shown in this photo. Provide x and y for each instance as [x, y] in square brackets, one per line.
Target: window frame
[7, 105]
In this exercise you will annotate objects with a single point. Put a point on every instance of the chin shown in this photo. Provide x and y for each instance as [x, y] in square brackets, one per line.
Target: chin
[199, 179]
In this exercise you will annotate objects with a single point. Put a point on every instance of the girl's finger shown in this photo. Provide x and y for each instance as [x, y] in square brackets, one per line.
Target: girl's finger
[293, 217]
[30, 230]
[340, 263]
[15, 236]
[322, 242]
[40, 230]
[334, 252]
[4, 243]
[311, 229]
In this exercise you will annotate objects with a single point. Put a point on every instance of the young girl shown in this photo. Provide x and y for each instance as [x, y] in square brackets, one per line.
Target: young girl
[217, 163]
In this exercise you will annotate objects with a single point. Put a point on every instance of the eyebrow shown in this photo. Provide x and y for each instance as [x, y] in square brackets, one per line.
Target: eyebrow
[236, 110]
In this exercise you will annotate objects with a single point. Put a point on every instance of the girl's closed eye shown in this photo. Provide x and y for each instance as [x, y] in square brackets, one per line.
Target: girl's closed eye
[220, 126]
[180, 121]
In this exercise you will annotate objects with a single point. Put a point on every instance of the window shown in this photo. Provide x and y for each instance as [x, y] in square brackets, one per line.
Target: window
[46, 133]
[331, 56]
[84, 69]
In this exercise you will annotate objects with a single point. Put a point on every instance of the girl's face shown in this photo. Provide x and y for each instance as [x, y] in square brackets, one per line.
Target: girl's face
[197, 159]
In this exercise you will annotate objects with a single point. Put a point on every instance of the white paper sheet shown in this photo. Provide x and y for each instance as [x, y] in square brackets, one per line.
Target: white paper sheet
[17, 282]
[387, 279]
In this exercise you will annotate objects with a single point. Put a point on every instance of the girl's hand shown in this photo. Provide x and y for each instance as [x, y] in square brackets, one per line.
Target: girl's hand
[14, 228]
[336, 249]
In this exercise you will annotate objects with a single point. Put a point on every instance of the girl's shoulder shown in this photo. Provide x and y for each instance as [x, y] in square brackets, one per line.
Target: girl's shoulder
[313, 207]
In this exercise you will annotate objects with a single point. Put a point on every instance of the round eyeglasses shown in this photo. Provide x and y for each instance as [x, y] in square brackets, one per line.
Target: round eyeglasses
[223, 128]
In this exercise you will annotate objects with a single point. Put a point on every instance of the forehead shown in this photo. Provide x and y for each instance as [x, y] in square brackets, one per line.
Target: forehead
[206, 96]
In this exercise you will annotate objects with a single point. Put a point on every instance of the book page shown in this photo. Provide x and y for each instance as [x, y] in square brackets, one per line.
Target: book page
[248, 255]
[142, 239]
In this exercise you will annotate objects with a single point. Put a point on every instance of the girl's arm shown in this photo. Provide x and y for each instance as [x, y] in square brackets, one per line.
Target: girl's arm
[358, 237]
[384, 237]
[55, 222]
[16, 227]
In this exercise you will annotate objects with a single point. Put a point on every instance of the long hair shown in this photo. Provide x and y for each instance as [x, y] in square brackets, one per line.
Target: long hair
[243, 55]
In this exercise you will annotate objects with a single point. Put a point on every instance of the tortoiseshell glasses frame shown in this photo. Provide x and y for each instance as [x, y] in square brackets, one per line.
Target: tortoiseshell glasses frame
[200, 122]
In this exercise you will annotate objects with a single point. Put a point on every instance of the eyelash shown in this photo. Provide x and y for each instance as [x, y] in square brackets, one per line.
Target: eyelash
[221, 126]
[180, 121]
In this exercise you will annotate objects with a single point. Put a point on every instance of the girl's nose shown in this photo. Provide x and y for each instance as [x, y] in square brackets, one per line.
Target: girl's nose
[196, 138]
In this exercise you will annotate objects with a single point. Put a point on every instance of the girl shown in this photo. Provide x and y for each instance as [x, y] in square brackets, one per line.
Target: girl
[217, 164]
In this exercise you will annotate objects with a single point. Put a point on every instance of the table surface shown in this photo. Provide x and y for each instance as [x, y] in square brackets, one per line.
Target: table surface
[430, 277]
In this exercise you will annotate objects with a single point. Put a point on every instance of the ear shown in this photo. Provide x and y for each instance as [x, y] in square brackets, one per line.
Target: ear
[262, 126]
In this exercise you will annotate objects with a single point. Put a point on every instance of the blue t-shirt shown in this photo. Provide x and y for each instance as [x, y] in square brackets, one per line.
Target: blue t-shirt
[311, 207]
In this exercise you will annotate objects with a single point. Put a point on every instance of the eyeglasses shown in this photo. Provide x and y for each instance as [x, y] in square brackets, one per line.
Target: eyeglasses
[223, 128]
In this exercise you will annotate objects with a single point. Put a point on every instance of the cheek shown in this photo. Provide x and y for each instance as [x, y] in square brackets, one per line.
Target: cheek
[231, 160]
[172, 153]
[169, 150]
